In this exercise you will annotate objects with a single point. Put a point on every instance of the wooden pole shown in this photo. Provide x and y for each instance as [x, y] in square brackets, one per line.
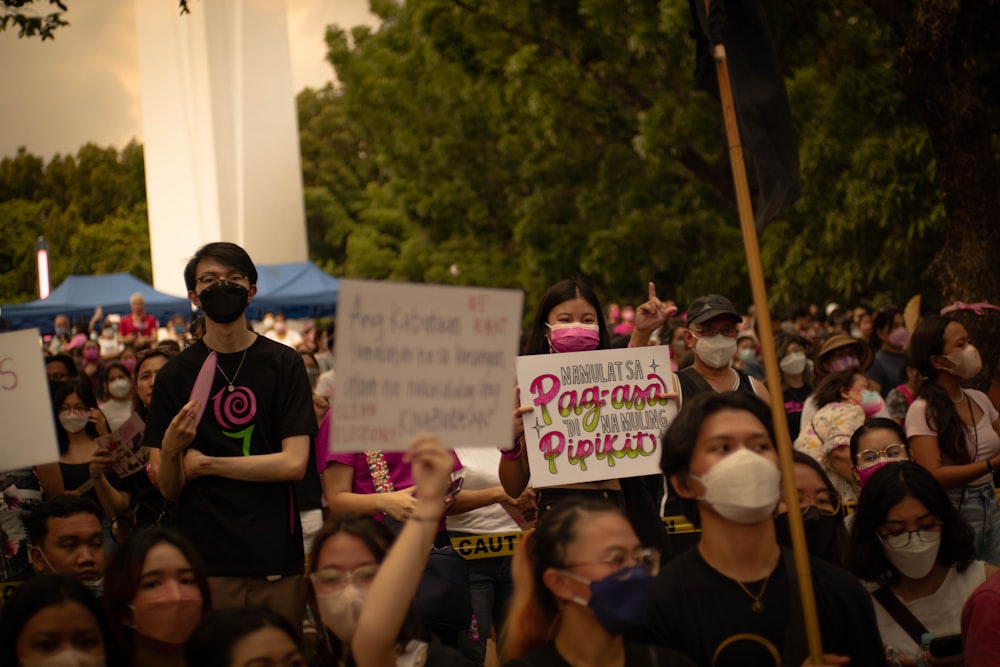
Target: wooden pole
[763, 314]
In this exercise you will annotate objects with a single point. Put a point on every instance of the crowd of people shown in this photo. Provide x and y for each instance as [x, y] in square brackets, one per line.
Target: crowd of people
[239, 538]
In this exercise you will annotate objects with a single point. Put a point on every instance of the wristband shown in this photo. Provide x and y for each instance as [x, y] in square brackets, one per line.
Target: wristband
[514, 453]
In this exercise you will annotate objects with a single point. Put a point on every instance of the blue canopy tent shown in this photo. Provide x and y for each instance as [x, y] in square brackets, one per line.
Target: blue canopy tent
[298, 290]
[77, 296]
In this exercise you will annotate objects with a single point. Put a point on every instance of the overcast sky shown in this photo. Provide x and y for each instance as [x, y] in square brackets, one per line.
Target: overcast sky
[83, 86]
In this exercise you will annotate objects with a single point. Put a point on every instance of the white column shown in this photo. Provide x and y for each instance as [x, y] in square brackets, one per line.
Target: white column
[219, 131]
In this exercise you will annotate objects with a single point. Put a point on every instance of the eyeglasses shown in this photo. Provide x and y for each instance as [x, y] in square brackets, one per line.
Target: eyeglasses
[900, 539]
[825, 502]
[332, 579]
[731, 331]
[892, 453]
[646, 558]
[208, 279]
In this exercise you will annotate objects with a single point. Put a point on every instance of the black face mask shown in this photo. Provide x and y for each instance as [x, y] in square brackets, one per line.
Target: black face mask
[224, 301]
[820, 530]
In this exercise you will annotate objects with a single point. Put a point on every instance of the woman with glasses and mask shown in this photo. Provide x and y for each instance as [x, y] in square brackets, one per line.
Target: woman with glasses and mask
[580, 581]
[820, 505]
[917, 553]
[877, 443]
[955, 432]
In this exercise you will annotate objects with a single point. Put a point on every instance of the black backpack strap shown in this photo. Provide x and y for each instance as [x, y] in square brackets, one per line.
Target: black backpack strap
[903, 616]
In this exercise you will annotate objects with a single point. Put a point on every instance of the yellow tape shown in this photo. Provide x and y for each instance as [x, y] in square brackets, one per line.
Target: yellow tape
[472, 547]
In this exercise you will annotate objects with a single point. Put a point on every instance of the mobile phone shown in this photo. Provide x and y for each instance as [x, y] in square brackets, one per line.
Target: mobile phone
[455, 487]
[943, 647]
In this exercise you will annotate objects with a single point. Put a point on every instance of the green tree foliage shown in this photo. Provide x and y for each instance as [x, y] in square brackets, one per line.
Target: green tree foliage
[91, 208]
[525, 142]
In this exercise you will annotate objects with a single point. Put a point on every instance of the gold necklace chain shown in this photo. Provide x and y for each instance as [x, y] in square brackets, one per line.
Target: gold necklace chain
[758, 606]
[233, 380]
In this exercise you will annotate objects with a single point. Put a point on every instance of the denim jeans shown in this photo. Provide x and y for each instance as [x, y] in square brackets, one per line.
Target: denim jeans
[491, 586]
[978, 506]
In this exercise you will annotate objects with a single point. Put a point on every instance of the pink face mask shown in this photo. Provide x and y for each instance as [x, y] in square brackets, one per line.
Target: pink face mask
[866, 474]
[170, 621]
[129, 363]
[843, 363]
[91, 354]
[573, 337]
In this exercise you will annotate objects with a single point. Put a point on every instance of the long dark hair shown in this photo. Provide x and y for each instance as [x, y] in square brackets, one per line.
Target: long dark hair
[564, 290]
[533, 607]
[39, 593]
[888, 487]
[121, 579]
[86, 396]
[942, 417]
[377, 538]
[212, 642]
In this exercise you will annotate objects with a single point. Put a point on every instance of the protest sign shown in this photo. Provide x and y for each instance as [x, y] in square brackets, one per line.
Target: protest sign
[29, 432]
[123, 445]
[597, 415]
[423, 358]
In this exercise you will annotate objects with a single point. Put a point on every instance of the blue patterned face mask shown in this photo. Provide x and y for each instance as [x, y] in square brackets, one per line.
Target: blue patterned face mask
[619, 600]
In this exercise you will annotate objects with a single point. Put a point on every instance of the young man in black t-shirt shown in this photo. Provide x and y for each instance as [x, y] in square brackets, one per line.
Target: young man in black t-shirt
[231, 470]
[733, 599]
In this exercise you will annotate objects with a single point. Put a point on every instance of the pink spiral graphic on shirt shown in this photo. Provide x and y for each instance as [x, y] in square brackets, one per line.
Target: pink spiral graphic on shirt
[234, 408]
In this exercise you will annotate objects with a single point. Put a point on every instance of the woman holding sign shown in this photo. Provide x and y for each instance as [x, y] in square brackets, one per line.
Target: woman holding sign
[570, 319]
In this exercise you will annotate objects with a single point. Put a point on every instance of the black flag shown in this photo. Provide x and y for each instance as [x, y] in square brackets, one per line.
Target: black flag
[762, 108]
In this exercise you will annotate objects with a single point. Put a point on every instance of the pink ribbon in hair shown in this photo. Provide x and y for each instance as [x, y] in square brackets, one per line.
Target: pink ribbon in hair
[977, 307]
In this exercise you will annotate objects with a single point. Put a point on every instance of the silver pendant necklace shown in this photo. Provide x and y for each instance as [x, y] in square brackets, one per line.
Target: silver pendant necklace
[232, 380]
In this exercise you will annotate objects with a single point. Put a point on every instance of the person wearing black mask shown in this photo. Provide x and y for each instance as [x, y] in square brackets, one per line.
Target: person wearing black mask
[231, 419]
[821, 509]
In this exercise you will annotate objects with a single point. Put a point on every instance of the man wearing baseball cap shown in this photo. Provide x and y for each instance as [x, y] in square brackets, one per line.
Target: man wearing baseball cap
[711, 332]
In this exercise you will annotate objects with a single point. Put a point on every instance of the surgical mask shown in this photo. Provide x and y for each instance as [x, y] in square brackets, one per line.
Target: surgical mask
[743, 487]
[96, 587]
[619, 600]
[916, 559]
[169, 621]
[340, 611]
[898, 337]
[224, 302]
[280, 327]
[967, 362]
[716, 351]
[747, 354]
[574, 337]
[120, 388]
[820, 530]
[678, 347]
[866, 474]
[62, 331]
[91, 354]
[68, 658]
[313, 375]
[73, 422]
[793, 363]
[179, 329]
[843, 363]
[129, 363]
[871, 402]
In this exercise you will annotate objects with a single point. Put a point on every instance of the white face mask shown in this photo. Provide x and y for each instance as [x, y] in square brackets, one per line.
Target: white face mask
[743, 487]
[120, 388]
[340, 611]
[716, 351]
[68, 658]
[967, 362]
[916, 559]
[793, 363]
[73, 422]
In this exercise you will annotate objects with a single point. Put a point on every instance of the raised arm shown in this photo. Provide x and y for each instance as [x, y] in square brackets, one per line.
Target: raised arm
[649, 317]
[514, 473]
[385, 608]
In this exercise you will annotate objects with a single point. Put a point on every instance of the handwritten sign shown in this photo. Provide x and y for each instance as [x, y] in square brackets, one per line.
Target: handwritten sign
[597, 415]
[423, 358]
[29, 432]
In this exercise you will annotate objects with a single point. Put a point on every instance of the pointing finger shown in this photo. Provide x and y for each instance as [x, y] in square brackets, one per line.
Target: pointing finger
[652, 290]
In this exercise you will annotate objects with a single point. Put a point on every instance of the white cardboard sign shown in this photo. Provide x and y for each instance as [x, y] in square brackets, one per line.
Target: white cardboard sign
[29, 434]
[424, 358]
[597, 415]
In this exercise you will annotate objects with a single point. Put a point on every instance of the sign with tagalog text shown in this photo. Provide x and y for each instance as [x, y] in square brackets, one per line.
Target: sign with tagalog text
[417, 359]
[596, 415]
